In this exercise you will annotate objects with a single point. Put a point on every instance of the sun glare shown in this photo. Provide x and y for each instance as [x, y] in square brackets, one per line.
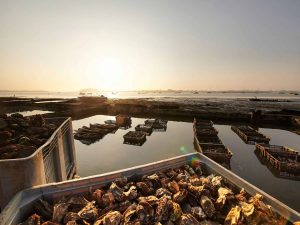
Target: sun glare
[111, 73]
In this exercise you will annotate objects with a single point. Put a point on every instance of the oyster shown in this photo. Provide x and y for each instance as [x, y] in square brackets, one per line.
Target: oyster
[107, 199]
[32, 220]
[241, 197]
[71, 216]
[188, 219]
[207, 206]
[182, 184]
[97, 196]
[196, 190]
[152, 200]
[161, 192]
[89, 212]
[144, 212]
[164, 182]
[154, 179]
[198, 213]
[195, 181]
[59, 211]
[233, 216]
[180, 196]
[173, 187]
[131, 193]
[164, 206]
[129, 216]
[111, 218]
[175, 212]
[123, 206]
[121, 182]
[76, 203]
[144, 188]
[224, 195]
[217, 181]
[117, 192]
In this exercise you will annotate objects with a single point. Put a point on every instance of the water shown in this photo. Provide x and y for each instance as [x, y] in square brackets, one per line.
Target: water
[32, 112]
[111, 154]
[160, 94]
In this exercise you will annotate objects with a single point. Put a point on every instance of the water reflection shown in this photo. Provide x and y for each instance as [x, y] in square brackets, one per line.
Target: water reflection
[111, 154]
[245, 164]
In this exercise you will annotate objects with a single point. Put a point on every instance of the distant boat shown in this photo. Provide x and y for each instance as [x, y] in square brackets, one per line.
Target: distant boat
[195, 92]
[114, 92]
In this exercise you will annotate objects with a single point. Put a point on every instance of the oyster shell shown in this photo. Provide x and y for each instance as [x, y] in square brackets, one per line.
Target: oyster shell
[207, 206]
[163, 208]
[89, 212]
[173, 187]
[164, 182]
[188, 219]
[144, 188]
[144, 212]
[131, 193]
[76, 203]
[121, 182]
[107, 199]
[224, 195]
[195, 181]
[111, 218]
[117, 192]
[71, 216]
[59, 211]
[129, 216]
[32, 220]
[152, 200]
[176, 212]
[196, 190]
[198, 213]
[97, 196]
[180, 196]
[233, 216]
[161, 192]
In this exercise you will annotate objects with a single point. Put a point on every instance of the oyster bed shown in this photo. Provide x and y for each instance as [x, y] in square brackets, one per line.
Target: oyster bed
[183, 195]
[21, 136]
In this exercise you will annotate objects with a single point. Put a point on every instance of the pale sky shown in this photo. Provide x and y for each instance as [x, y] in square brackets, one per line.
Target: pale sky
[155, 44]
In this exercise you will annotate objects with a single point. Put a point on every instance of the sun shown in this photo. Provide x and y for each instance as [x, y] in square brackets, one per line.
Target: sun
[111, 73]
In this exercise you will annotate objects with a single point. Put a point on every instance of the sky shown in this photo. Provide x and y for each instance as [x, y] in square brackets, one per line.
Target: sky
[154, 44]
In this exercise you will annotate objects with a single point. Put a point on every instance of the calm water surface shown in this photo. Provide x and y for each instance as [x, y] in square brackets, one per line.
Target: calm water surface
[111, 154]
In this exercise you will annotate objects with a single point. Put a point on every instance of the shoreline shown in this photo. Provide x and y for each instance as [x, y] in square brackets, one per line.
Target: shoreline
[284, 114]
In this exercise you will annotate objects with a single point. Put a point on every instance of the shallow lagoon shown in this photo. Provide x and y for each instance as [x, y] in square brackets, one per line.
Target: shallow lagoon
[109, 154]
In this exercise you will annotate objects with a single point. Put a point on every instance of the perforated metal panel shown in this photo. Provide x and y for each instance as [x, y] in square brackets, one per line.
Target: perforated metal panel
[50, 161]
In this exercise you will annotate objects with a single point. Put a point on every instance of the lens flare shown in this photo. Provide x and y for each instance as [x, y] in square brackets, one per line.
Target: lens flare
[183, 150]
[195, 162]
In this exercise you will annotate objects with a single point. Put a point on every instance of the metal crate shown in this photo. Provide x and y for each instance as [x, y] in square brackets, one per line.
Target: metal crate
[52, 162]
[22, 204]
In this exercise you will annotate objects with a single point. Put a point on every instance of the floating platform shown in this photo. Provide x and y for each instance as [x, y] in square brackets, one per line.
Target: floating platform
[249, 135]
[157, 124]
[283, 159]
[135, 138]
[206, 141]
[142, 127]
[89, 135]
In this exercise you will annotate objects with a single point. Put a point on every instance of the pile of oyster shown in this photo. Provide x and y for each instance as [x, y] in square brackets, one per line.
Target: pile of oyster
[20, 136]
[183, 196]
